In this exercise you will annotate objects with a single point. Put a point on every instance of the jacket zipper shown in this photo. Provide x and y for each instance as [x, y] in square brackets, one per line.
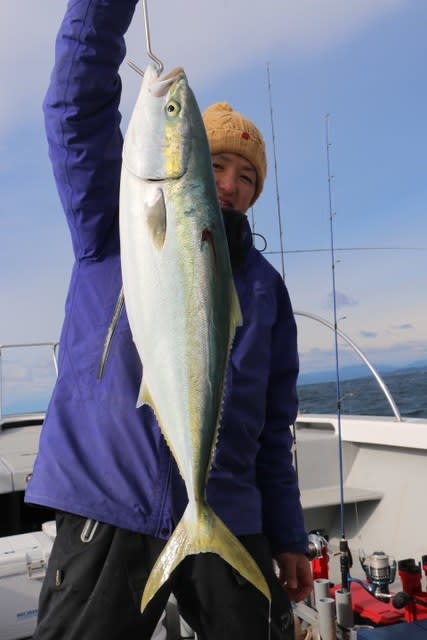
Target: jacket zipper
[109, 337]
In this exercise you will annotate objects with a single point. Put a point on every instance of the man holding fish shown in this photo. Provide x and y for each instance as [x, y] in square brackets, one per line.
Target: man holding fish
[166, 449]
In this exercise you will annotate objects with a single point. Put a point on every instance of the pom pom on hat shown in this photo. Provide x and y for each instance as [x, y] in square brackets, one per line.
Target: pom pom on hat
[230, 132]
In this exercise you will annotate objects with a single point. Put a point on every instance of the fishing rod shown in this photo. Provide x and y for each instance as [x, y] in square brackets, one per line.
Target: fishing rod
[279, 218]
[273, 137]
[319, 250]
[345, 555]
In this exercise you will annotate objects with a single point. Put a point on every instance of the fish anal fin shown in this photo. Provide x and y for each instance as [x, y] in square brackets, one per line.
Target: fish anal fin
[155, 212]
[145, 398]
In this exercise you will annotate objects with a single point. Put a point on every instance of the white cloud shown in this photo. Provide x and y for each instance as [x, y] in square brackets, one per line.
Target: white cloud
[28, 375]
[341, 300]
[400, 354]
[210, 40]
[368, 334]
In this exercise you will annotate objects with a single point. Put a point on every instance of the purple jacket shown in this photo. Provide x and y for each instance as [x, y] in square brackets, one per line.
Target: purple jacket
[99, 456]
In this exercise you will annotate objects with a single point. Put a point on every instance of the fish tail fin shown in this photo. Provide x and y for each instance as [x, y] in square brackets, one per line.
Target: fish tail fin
[204, 533]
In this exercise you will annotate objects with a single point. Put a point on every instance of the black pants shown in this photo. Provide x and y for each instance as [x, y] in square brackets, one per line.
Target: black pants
[93, 590]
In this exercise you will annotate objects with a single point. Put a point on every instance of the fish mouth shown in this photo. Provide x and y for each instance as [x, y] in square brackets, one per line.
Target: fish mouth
[165, 82]
[165, 180]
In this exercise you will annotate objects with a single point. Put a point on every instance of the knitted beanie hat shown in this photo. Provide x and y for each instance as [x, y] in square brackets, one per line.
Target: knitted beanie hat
[230, 132]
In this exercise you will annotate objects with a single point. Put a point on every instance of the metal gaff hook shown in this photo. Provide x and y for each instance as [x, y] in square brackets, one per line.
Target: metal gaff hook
[155, 59]
[136, 68]
[158, 63]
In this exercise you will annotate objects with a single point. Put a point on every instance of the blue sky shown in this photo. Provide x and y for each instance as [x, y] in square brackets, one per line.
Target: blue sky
[361, 61]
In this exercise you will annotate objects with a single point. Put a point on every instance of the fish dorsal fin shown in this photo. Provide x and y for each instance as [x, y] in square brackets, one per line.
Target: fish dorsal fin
[155, 212]
[236, 320]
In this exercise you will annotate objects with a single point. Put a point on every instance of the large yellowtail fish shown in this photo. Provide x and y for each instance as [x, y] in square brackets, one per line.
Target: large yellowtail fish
[181, 303]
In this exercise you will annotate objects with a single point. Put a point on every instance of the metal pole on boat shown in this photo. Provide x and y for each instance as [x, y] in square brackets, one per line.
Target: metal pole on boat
[382, 385]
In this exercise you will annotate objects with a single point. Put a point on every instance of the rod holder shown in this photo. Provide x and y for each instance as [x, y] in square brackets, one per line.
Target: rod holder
[321, 589]
[344, 609]
[326, 611]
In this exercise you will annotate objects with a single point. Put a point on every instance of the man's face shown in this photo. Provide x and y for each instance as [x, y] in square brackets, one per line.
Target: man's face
[235, 180]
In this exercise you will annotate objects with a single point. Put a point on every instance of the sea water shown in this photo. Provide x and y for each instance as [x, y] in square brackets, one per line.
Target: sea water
[362, 396]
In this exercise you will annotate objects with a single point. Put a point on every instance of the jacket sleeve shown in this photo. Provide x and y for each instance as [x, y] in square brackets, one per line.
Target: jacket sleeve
[82, 119]
[282, 512]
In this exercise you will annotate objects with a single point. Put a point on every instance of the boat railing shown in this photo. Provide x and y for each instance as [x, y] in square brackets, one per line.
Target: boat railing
[27, 345]
[382, 385]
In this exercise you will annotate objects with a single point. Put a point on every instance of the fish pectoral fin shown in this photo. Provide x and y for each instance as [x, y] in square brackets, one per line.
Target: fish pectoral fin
[155, 212]
[236, 318]
[203, 534]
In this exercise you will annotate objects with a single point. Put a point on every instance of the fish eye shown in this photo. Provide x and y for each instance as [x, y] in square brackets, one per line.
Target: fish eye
[172, 108]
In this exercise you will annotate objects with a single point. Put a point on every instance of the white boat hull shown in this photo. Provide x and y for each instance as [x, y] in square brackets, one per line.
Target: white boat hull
[384, 480]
